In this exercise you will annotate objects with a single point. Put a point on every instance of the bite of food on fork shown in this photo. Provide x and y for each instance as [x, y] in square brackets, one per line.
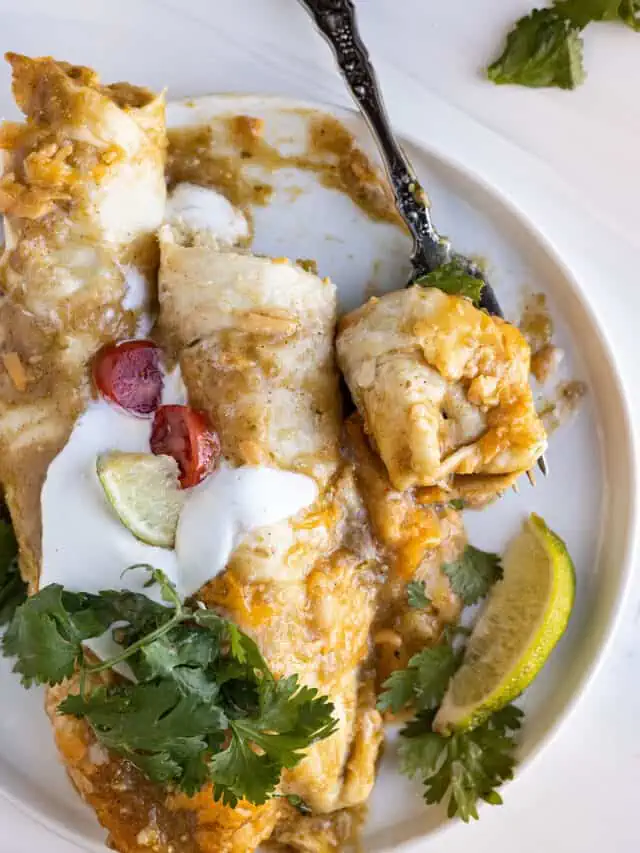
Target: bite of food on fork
[443, 390]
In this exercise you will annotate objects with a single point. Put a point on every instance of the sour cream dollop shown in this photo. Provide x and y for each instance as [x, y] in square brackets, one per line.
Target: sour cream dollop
[86, 548]
[205, 214]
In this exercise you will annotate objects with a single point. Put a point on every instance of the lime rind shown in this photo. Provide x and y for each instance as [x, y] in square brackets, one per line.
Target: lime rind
[525, 616]
[144, 492]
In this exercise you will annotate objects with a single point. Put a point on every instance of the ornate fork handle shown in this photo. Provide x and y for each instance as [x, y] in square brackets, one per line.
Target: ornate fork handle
[336, 21]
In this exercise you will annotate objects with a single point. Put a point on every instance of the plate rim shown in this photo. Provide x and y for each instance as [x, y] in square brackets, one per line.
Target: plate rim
[609, 625]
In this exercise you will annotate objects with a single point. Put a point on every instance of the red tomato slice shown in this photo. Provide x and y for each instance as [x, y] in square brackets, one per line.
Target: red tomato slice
[129, 374]
[185, 434]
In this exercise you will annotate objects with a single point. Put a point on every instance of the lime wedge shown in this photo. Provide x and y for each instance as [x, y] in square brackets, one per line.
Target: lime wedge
[145, 493]
[525, 616]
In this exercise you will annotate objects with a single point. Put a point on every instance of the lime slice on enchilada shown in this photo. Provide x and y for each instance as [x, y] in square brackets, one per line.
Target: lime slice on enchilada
[525, 616]
[145, 493]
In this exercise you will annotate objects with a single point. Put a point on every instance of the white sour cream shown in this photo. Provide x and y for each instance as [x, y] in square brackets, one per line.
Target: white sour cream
[136, 294]
[206, 213]
[85, 547]
[137, 297]
[227, 506]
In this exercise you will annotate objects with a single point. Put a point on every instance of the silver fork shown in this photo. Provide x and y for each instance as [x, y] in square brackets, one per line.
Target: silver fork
[336, 21]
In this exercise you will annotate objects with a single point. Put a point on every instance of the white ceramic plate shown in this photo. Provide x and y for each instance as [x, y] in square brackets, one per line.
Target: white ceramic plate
[577, 499]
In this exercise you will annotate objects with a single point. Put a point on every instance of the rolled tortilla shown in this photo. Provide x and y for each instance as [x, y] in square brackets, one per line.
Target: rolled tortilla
[443, 388]
[82, 192]
[255, 343]
[254, 339]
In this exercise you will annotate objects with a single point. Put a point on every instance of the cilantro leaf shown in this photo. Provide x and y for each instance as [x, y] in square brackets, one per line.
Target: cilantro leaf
[239, 772]
[416, 595]
[434, 668]
[420, 754]
[182, 656]
[290, 718]
[398, 691]
[46, 633]
[457, 503]
[13, 590]
[423, 683]
[473, 574]
[470, 766]
[243, 652]
[452, 278]
[507, 719]
[141, 615]
[151, 721]
[543, 49]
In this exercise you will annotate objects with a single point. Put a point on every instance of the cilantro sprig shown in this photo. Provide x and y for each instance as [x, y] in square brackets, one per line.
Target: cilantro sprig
[470, 766]
[466, 766]
[204, 706]
[545, 48]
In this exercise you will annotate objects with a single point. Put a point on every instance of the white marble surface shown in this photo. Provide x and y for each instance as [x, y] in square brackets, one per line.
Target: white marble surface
[570, 161]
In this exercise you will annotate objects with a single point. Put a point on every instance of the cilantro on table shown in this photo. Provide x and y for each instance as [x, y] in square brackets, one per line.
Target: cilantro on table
[545, 48]
[453, 278]
[204, 706]
[473, 574]
[417, 598]
[13, 590]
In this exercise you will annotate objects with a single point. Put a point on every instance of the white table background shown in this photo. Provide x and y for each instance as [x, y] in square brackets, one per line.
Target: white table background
[570, 161]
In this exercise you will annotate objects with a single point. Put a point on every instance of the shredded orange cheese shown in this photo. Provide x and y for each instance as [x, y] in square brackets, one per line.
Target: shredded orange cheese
[15, 369]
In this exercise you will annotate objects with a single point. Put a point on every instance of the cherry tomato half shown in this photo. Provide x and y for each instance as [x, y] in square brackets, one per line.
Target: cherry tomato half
[129, 374]
[185, 434]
